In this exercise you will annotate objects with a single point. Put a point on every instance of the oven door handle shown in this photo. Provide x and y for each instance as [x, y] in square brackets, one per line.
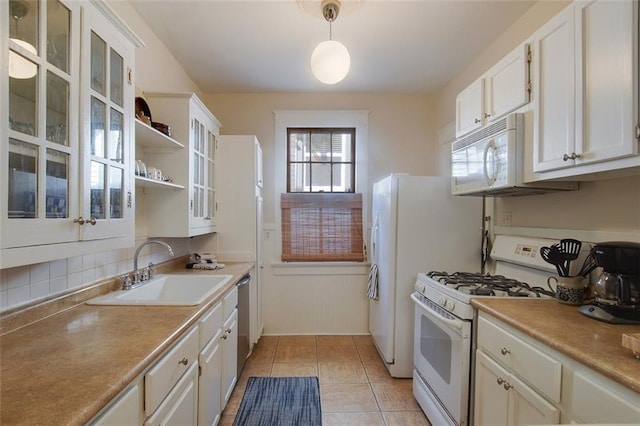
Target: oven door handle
[457, 324]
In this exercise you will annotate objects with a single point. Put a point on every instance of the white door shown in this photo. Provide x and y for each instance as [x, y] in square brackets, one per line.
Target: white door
[383, 233]
[607, 51]
[229, 357]
[506, 84]
[210, 360]
[106, 131]
[526, 407]
[469, 108]
[554, 92]
[491, 400]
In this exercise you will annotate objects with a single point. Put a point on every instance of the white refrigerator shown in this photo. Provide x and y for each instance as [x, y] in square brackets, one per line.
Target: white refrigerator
[416, 226]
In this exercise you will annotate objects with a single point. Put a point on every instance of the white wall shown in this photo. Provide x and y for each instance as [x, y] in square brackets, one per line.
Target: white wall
[402, 138]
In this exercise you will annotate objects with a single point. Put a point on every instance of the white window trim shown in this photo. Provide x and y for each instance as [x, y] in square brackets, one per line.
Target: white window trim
[285, 119]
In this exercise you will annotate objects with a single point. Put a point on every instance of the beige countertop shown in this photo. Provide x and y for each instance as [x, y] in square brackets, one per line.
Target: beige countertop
[596, 344]
[63, 369]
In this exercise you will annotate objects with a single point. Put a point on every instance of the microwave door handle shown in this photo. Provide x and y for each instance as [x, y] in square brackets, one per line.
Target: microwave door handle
[490, 180]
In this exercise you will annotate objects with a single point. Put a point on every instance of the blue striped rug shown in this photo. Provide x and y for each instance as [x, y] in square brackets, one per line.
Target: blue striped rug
[280, 401]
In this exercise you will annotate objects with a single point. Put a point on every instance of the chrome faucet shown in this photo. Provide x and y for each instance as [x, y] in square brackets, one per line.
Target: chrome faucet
[140, 277]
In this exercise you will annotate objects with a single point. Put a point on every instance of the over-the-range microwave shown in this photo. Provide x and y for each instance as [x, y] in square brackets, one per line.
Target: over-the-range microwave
[490, 162]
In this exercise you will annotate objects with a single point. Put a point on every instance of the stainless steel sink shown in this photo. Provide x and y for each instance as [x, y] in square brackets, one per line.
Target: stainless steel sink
[167, 290]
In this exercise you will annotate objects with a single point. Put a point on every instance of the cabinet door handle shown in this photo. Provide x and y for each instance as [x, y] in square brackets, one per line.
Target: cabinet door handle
[487, 115]
[573, 156]
[507, 386]
[477, 120]
[500, 380]
[224, 336]
[83, 221]
[228, 331]
[183, 361]
[505, 351]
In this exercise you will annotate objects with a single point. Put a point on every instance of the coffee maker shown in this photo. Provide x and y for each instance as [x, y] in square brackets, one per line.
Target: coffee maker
[617, 291]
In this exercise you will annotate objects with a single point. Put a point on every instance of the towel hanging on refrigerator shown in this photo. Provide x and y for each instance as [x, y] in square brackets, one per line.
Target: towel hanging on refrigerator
[372, 287]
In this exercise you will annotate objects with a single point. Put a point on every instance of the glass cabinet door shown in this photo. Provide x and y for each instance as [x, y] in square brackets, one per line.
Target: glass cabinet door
[106, 201]
[199, 204]
[40, 153]
[211, 164]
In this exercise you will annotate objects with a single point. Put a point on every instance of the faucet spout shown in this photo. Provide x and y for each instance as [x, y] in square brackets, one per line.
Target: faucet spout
[135, 256]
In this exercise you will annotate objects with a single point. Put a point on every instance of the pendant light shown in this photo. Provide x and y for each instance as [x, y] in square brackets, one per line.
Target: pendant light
[330, 61]
[19, 66]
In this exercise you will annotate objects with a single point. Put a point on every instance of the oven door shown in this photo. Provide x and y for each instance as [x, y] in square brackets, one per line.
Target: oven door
[441, 356]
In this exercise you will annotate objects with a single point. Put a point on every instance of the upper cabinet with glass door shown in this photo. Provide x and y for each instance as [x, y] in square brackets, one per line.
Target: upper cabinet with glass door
[41, 147]
[192, 211]
[55, 159]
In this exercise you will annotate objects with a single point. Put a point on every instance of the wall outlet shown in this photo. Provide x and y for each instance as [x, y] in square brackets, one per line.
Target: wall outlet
[505, 219]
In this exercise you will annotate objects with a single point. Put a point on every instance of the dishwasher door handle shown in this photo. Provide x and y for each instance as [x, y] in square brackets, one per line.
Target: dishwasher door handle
[246, 280]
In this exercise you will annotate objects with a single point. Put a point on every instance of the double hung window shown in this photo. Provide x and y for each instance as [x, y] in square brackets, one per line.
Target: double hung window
[321, 211]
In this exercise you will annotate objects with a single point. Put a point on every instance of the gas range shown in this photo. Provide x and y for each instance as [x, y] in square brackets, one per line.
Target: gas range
[520, 272]
[453, 292]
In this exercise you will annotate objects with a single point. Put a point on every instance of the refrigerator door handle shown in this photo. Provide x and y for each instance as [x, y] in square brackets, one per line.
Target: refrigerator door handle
[374, 233]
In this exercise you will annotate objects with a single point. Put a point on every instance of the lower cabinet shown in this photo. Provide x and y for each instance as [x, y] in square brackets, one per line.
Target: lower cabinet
[563, 391]
[501, 398]
[180, 407]
[191, 382]
[125, 410]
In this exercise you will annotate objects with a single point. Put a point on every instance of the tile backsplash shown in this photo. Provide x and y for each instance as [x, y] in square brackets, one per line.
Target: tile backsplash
[24, 285]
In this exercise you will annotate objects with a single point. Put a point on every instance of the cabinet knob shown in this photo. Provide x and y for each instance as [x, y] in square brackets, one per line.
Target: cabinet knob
[83, 221]
[228, 331]
[224, 336]
[477, 120]
[507, 386]
[573, 156]
[505, 351]
[487, 115]
[500, 380]
[183, 361]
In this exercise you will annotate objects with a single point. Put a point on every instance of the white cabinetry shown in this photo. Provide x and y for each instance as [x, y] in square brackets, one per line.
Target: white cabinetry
[230, 345]
[180, 407]
[519, 380]
[516, 362]
[586, 90]
[210, 358]
[65, 178]
[503, 399]
[502, 89]
[191, 382]
[126, 410]
[193, 211]
[240, 213]
[150, 140]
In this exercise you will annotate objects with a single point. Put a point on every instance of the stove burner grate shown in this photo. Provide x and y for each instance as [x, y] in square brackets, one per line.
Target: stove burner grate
[487, 285]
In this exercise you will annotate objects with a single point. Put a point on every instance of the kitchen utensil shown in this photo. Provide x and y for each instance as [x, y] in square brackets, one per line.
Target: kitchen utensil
[569, 290]
[588, 265]
[553, 256]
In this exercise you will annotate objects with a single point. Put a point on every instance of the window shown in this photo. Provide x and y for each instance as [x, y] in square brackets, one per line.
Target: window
[319, 168]
[321, 160]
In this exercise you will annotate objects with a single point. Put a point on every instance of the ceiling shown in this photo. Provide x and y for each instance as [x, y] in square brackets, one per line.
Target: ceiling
[252, 46]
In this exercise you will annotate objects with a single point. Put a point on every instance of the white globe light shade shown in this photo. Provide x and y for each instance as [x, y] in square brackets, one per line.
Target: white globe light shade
[330, 61]
[19, 66]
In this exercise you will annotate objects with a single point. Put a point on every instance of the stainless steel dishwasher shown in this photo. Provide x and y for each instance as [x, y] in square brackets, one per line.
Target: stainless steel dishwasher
[244, 319]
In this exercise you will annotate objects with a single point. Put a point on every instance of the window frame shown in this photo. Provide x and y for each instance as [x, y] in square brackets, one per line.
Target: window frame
[319, 130]
[358, 119]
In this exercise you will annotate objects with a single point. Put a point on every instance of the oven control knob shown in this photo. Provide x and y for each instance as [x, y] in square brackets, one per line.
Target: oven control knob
[420, 287]
[443, 302]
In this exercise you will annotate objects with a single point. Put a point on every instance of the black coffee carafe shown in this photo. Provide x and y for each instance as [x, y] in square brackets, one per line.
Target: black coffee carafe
[617, 291]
